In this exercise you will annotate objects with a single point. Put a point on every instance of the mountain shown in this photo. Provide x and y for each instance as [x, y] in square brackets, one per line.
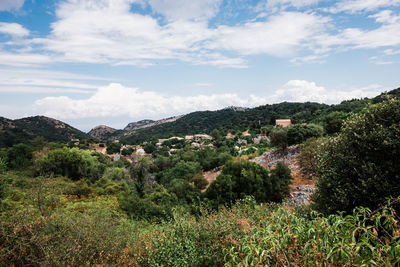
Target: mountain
[25, 129]
[102, 132]
[148, 123]
[228, 119]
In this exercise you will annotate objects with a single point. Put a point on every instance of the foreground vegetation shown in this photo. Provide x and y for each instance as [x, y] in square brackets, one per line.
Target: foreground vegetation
[94, 230]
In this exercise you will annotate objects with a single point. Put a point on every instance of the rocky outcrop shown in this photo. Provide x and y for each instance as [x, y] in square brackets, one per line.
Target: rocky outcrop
[271, 158]
[101, 132]
[301, 194]
[138, 124]
[302, 188]
[148, 123]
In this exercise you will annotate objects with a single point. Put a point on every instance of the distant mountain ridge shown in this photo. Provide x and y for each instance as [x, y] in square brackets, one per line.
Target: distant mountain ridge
[231, 119]
[25, 129]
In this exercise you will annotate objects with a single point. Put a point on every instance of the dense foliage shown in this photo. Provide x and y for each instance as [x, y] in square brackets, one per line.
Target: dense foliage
[360, 167]
[244, 178]
[73, 163]
[94, 231]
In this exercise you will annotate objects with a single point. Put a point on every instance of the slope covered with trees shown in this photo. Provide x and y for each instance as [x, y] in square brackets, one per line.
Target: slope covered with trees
[26, 129]
[232, 120]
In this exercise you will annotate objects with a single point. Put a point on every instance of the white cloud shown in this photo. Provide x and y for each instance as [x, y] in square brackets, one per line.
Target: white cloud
[295, 3]
[280, 35]
[23, 59]
[13, 29]
[303, 91]
[8, 5]
[184, 9]
[38, 81]
[106, 31]
[116, 100]
[386, 35]
[391, 52]
[353, 6]
[312, 59]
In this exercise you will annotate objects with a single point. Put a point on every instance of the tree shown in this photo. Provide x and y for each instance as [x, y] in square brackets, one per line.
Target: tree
[19, 156]
[333, 121]
[360, 167]
[281, 179]
[310, 152]
[216, 134]
[113, 148]
[278, 138]
[299, 133]
[243, 178]
[73, 163]
[149, 148]
[39, 142]
[127, 151]
[139, 172]
[182, 170]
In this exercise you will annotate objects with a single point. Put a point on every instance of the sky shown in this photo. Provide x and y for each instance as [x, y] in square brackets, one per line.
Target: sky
[91, 62]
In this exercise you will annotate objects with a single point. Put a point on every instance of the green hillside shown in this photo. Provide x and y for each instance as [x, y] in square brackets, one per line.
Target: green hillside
[232, 120]
[25, 129]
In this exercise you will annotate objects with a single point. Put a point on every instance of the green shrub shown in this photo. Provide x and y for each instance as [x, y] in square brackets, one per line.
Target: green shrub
[360, 167]
[310, 153]
[237, 180]
[154, 206]
[73, 163]
[278, 137]
[299, 133]
[19, 156]
[281, 179]
[333, 121]
[113, 148]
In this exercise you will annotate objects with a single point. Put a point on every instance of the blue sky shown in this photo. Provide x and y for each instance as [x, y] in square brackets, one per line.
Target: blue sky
[90, 62]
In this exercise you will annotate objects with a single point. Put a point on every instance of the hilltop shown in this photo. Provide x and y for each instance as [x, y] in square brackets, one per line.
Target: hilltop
[102, 132]
[25, 129]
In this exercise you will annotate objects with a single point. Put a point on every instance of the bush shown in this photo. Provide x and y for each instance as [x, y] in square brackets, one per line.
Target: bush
[238, 180]
[360, 167]
[3, 160]
[278, 137]
[299, 133]
[19, 156]
[73, 163]
[281, 179]
[333, 121]
[113, 148]
[310, 152]
[182, 170]
[154, 206]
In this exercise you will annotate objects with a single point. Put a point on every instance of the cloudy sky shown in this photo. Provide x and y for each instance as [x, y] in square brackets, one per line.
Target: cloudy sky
[90, 62]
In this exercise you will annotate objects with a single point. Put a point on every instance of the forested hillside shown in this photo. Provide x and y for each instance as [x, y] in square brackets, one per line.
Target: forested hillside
[25, 129]
[232, 120]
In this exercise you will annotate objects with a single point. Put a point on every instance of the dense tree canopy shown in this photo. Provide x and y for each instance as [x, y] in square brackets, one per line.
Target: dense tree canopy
[73, 163]
[360, 167]
[244, 178]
